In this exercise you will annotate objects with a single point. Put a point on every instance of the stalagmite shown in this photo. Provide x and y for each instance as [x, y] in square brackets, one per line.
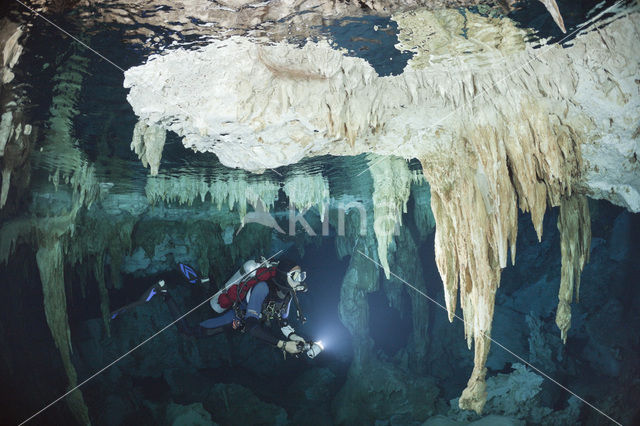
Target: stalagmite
[147, 142]
[574, 224]
[391, 191]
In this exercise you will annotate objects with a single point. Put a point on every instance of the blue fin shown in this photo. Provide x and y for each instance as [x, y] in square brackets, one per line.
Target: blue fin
[189, 273]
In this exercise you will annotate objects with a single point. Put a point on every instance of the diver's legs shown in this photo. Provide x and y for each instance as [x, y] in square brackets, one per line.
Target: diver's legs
[183, 326]
[258, 294]
[157, 288]
[221, 321]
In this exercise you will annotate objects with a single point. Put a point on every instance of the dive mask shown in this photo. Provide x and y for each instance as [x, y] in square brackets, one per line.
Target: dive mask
[296, 280]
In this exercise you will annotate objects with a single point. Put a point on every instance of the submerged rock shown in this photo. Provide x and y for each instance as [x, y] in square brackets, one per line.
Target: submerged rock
[232, 404]
[188, 415]
[381, 391]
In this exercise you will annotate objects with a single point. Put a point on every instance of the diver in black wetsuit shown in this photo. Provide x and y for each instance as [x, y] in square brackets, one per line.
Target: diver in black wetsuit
[249, 302]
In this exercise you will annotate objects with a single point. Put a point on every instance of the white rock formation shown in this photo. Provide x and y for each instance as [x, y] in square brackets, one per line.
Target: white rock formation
[272, 105]
[147, 142]
[235, 192]
[391, 191]
[10, 33]
[307, 190]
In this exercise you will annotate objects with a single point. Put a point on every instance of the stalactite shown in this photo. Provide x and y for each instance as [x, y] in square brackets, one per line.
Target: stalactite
[462, 64]
[391, 191]
[98, 270]
[60, 151]
[235, 192]
[422, 214]
[147, 142]
[407, 265]
[475, 195]
[362, 277]
[307, 190]
[50, 258]
[574, 224]
[119, 245]
[10, 33]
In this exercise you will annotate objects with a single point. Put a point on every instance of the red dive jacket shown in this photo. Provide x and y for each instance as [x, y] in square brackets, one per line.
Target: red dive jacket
[230, 296]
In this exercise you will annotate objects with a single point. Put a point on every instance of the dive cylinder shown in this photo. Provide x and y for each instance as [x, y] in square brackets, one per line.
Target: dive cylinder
[248, 270]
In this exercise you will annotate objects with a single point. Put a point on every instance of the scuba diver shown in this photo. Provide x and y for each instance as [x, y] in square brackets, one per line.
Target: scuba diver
[255, 297]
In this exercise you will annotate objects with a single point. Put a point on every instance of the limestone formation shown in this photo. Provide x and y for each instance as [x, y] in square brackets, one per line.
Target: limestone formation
[391, 191]
[147, 142]
[234, 191]
[60, 150]
[574, 224]
[362, 277]
[50, 235]
[307, 190]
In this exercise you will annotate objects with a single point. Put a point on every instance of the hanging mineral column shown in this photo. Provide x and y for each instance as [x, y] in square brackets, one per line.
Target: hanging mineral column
[574, 224]
[50, 264]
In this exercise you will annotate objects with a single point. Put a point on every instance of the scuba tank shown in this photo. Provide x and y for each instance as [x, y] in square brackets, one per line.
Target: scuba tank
[248, 270]
[238, 286]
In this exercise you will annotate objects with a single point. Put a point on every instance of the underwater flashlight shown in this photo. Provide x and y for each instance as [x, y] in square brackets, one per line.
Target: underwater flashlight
[314, 349]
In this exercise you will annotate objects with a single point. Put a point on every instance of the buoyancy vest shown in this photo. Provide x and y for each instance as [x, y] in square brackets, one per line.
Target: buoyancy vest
[238, 292]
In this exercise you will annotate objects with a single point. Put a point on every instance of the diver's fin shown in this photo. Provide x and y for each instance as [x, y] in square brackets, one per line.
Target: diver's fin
[158, 288]
[191, 275]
